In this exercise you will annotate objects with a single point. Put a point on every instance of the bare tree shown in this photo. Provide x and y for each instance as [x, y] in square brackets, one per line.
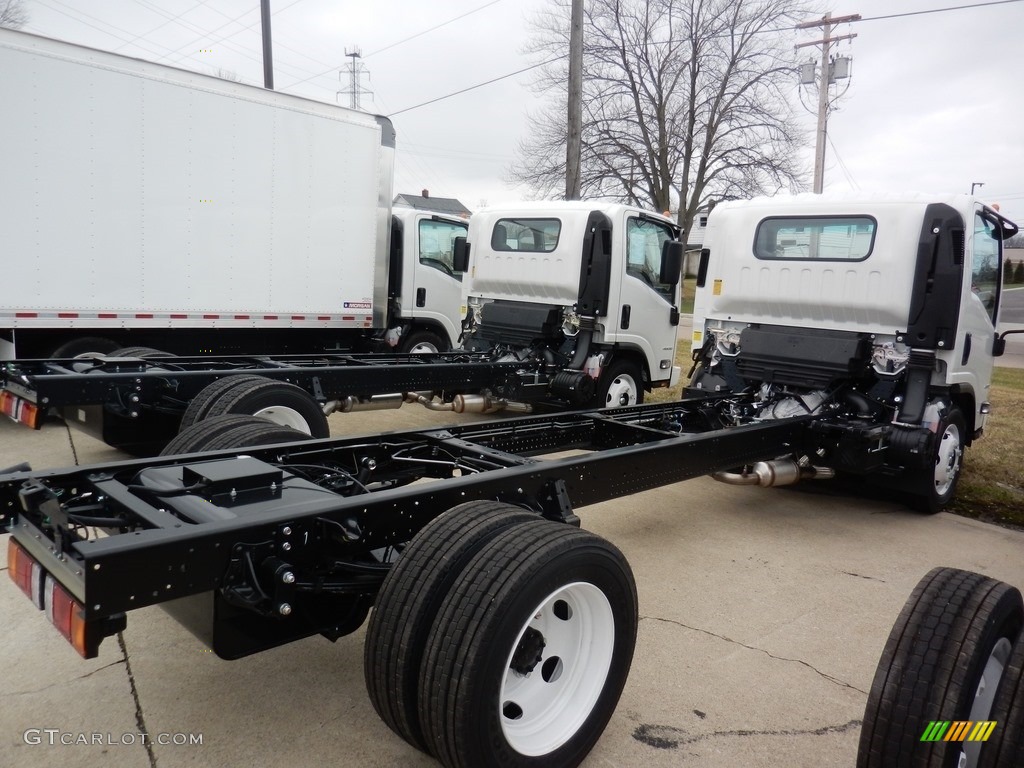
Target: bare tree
[684, 102]
[13, 14]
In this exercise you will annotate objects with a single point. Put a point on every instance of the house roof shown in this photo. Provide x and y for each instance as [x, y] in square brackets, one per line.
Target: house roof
[429, 203]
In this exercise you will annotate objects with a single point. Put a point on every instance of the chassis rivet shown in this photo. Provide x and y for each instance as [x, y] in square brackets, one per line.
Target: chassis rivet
[284, 609]
[288, 577]
[287, 531]
[286, 546]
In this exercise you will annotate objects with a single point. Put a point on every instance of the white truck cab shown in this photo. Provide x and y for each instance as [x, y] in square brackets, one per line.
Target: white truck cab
[888, 302]
[604, 277]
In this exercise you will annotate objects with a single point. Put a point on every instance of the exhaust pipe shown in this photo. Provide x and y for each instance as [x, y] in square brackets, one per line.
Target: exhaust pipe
[487, 404]
[351, 404]
[777, 472]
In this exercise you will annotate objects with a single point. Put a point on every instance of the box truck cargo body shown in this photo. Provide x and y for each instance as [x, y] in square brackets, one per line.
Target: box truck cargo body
[147, 205]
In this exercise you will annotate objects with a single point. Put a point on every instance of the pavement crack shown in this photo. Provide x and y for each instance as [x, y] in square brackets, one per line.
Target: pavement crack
[71, 442]
[63, 683]
[862, 576]
[140, 717]
[811, 667]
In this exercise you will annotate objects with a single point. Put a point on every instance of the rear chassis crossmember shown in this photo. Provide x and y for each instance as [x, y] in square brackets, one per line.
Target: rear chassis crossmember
[291, 540]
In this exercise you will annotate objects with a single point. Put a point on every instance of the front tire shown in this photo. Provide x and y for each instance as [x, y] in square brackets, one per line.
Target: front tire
[938, 485]
[525, 664]
[423, 342]
[620, 385]
[943, 662]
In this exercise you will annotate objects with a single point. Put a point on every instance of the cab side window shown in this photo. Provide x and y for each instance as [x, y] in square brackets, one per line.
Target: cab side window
[985, 265]
[646, 239]
[436, 241]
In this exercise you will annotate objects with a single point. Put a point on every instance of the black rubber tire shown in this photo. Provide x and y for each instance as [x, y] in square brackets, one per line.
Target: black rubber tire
[200, 404]
[1005, 747]
[146, 353]
[231, 431]
[932, 664]
[473, 637]
[85, 346]
[417, 338]
[254, 396]
[410, 599]
[928, 499]
[612, 377]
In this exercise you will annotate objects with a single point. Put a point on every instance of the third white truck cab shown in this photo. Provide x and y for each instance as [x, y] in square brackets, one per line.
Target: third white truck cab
[425, 292]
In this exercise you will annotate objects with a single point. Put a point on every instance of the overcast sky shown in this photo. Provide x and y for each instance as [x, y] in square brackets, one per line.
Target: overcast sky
[933, 103]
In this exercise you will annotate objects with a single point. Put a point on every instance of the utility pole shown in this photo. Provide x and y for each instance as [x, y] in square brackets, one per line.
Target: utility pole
[825, 78]
[268, 55]
[355, 72]
[574, 140]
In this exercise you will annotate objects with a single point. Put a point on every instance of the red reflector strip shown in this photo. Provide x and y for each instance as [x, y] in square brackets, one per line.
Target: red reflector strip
[25, 572]
[241, 317]
[26, 314]
[324, 318]
[211, 317]
[67, 314]
[143, 316]
[179, 317]
[348, 318]
[270, 317]
[298, 317]
[107, 315]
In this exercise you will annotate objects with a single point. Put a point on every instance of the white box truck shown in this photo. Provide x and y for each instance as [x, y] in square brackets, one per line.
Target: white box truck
[144, 205]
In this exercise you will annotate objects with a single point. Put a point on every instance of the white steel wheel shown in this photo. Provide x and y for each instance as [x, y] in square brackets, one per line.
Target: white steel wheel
[557, 669]
[984, 695]
[528, 657]
[949, 454]
[620, 386]
[286, 417]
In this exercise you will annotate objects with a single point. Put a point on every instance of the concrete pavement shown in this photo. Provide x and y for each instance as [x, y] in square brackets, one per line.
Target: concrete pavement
[763, 612]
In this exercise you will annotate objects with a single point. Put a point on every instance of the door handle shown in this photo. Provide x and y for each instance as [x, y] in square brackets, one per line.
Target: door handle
[624, 322]
[421, 297]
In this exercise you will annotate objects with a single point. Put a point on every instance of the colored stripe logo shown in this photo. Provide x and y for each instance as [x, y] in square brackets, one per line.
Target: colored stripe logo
[958, 730]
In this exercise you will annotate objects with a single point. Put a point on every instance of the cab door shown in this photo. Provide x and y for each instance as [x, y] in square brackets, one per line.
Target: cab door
[979, 306]
[436, 288]
[646, 313]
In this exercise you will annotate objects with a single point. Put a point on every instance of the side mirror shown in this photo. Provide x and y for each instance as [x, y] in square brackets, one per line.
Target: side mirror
[671, 262]
[460, 254]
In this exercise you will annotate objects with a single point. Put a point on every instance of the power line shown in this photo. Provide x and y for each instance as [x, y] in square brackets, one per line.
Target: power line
[425, 31]
[760, 31]
[392, 45]
[480, 85]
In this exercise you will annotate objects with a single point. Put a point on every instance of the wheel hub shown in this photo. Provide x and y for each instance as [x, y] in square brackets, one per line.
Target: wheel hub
[557, 669]
[529, 652]
[947, 459]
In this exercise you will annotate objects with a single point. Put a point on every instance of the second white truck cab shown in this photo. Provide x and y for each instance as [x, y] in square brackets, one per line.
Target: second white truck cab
[597, 283]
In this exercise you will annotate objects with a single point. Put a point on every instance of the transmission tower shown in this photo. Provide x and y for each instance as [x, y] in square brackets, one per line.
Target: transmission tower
[355, 71]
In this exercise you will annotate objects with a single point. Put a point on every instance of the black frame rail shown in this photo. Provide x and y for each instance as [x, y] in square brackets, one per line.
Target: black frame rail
[152, 555]
[173, 381]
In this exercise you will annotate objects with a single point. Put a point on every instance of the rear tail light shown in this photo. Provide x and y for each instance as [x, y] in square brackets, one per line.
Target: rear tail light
[63, 611]
[19, 410]
[67, 615]
[25, 572]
